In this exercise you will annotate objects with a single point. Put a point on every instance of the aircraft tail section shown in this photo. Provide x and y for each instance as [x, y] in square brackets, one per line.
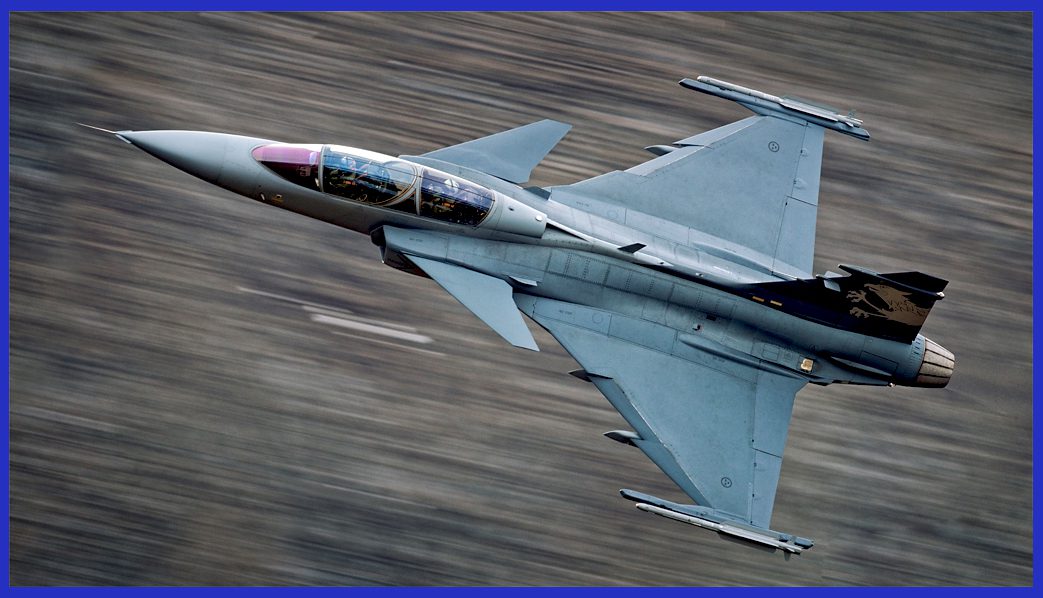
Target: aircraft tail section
[891, 306]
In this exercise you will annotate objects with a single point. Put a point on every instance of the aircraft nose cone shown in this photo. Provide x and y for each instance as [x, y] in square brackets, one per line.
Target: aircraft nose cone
[198, 153]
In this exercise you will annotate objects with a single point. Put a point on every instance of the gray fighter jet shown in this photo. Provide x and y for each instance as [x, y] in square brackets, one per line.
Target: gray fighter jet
[682, 285]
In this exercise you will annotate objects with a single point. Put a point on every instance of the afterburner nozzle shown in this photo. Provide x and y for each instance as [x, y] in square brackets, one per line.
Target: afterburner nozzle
[937, 366]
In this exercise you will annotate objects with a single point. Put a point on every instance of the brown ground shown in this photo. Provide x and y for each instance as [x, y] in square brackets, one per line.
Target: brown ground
[168, 427]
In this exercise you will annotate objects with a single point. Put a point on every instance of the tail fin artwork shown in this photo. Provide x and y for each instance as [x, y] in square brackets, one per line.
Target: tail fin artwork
[890, 306]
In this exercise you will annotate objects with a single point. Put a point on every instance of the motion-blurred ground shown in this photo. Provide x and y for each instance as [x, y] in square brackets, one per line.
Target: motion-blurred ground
[174, 422]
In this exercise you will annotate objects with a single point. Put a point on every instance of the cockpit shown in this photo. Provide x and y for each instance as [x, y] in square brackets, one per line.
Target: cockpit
[367, 180]
[377, 180]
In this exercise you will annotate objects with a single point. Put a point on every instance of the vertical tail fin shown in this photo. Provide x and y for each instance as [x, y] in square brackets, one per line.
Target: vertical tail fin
[891, 306]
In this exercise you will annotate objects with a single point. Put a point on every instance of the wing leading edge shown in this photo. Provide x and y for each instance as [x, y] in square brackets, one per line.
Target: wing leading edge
[715, 426]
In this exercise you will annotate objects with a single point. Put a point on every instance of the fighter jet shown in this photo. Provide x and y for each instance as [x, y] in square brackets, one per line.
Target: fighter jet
[682, 286]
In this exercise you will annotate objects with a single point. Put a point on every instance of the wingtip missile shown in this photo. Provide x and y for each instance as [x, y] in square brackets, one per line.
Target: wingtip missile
[764, 103]
[727, 528]
[724, 529]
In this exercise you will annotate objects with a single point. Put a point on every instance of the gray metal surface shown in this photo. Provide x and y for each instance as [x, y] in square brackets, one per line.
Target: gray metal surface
[487, 297]
[716, 427]
[767, 172]
[148, 448]
[509, 155]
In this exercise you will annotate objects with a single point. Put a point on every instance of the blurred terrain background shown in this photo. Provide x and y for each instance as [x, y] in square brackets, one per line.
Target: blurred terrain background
[180, 416]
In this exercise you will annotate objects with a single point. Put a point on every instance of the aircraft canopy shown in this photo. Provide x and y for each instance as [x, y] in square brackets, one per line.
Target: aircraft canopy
[379, 180]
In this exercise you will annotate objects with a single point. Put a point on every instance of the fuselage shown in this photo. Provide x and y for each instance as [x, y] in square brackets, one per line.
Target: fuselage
[545, 244]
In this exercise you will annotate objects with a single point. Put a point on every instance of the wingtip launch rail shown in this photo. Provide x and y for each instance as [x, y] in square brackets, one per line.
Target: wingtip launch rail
[726, 527]
[767, 104]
